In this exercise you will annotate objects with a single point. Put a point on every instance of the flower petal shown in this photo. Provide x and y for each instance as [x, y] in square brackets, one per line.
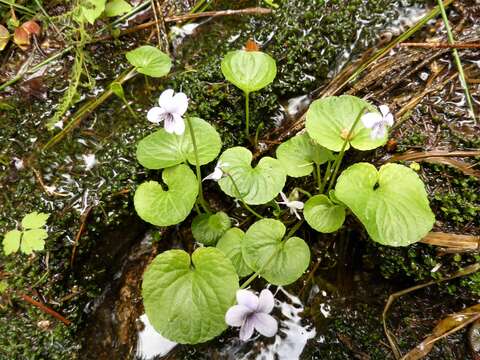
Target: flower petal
[179, 124]
[248, 299]
[246, 331]
[166, 98]
[155, 115]
[378, 131]
[169, 125]
[296, 205]
[265, 324]
[389, 119]
[236, 315]
[180, 101]
[284, 197]
[215, 175]
[296, 214]
[370, 119]
[265, 301]
[384, 110]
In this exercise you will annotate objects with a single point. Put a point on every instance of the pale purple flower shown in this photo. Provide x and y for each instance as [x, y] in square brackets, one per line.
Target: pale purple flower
[378, 122]
[252, 313]
[172, 107]
[217, 173]
[293, 205]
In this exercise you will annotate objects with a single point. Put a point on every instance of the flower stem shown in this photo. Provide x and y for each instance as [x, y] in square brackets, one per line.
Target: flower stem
[319, 176]
[326, 177]
[240, 197]
[247, 115]
[197, 167]
[339, 159]
[293, 230]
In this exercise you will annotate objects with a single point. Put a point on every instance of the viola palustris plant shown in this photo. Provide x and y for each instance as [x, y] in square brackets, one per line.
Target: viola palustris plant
[191, 298]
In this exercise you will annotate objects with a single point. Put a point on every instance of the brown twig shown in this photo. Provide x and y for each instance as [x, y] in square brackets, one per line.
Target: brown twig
[83, 221]
[452, 241]
[45, 309]
[437, 45]
[246, 11]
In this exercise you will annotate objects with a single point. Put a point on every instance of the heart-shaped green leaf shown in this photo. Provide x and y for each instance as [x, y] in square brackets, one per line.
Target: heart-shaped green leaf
[299, 153]
[186, 299]
[34, 220]
[279, 262]
[11, 241]
[92, 9]
[323, 215]
[330, 119]
[167, 207]
[391, 203]
[33, 240]
[249, 70]
[208, 228]
[161, 149]
[257, 185]
[231, 245]
[117, 7]
[150, 61]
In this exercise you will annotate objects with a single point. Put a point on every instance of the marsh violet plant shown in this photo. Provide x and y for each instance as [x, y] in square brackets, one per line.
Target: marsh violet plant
[171, 110]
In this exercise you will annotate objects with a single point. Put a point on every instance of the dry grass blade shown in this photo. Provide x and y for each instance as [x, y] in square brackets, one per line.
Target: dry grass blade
[445, 327]
[419, 155]
[453, 242]
[464, 167]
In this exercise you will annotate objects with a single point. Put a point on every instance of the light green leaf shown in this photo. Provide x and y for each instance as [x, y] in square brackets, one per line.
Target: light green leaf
[330, 119]
[117, 7]
[117, 89]
[323, 215]
[11, 241]
[186, 299]
[231, 245]
[167, 207]
[3, 286]
[299, 153]
[161, 149]
[391, 203]
[33, 240]
[279, 262]
[150, 61]
[34, 220]
[257, 185]
[249, 70]
[92, 9]
[208, 228]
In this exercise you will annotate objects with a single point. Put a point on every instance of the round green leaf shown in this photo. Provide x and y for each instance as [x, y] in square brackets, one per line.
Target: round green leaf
[186, 299]
[34, 220]
[299, 153]
[279, 262]
[330, 119]
[161, 149]
[150, 61]
[257, 185]
[11, 241]
[167, 207]
[208, 228]
[231, 245]
[249, 70]
[391, 203]
[323, 215]
[117, 7]
[33, 240]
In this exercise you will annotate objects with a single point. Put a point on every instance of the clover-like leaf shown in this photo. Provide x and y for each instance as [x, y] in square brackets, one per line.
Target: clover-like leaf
[92, 9]
[249, 70]
[280, 262]
[167, 207]
[11, 241]
[150, 61]
[231, 245]
[329, 121]
[208, 228]
[323, 215]
[299, 153]
[186, 299]
[391, 203]
[34, 220]
[33, 240]
[257, 185]
[161, 149]
[117, 7]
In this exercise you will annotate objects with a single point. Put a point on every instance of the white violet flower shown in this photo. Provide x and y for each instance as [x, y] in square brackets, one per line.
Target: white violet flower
[217, 173]
[172, 107]
[378, 122]
[294, 205]
[252, 312]
[90, 161]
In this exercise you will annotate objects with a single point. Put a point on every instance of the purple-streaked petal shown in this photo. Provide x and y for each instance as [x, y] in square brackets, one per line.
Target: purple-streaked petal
[296, 205]
[155, 115]
[369, 120]
[179, 124]
[169, 125]
[236, 315]
[265, 324]
[384, 110]
[180, 102]
[265, 301]
[246, 331]
[248, 299]
[378, 131]
[389, 119]
[165, 98]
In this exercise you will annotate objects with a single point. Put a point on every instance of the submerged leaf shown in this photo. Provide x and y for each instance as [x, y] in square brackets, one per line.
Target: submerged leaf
[11, 241]
[167, 207]
[323, 215]
[231, 245]
[208, 228]
[186, 299]
[391, 203]
[34, 220]
[150, 61]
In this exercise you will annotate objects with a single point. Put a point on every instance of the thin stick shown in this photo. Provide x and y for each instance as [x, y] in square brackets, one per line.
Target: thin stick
[246, 11]
[45, 309]
[437, 45]
[81, 230]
